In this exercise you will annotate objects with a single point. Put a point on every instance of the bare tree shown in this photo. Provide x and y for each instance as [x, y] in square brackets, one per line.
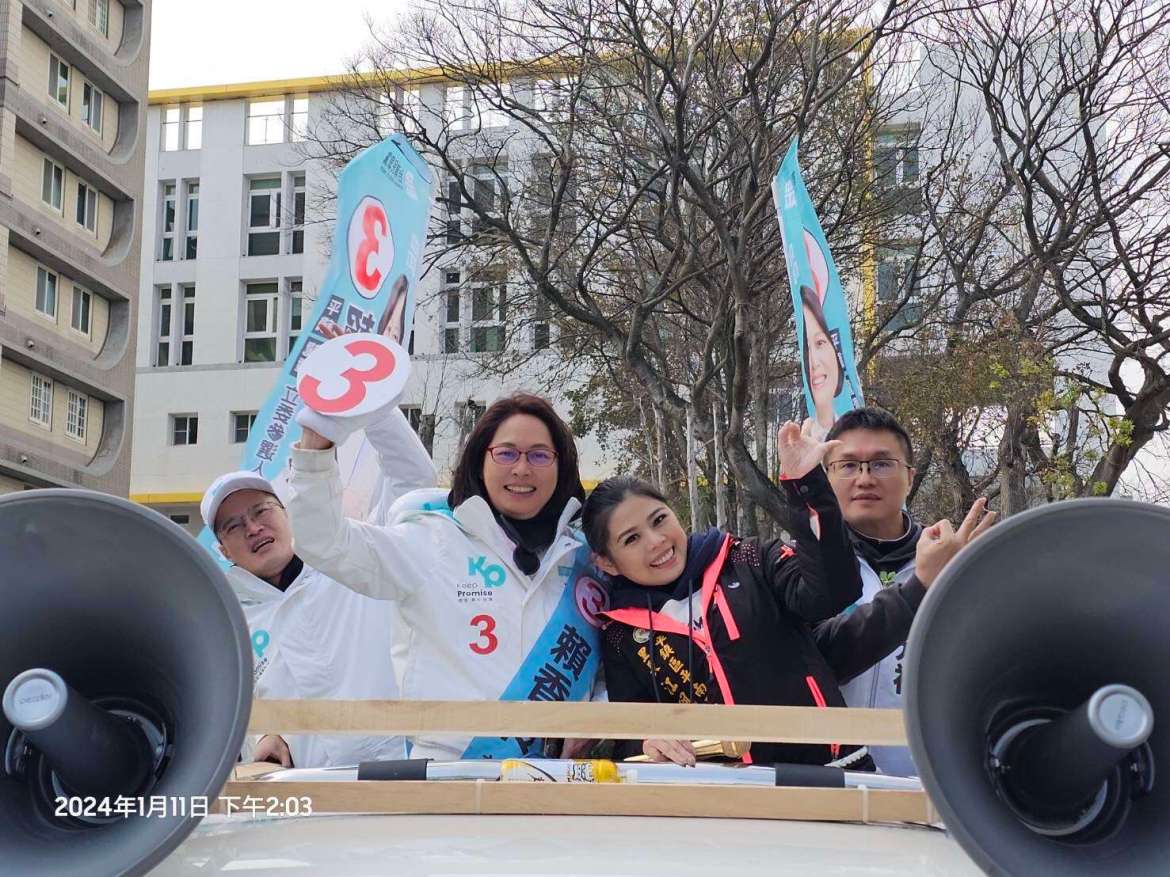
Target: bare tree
[615, 160]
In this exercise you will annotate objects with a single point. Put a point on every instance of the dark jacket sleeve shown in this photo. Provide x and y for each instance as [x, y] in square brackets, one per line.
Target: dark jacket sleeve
[623, 684]
[822, 577]
[855, 640]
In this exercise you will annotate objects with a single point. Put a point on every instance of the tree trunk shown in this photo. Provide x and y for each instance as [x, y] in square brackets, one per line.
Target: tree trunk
[720, 489]
[692, 475]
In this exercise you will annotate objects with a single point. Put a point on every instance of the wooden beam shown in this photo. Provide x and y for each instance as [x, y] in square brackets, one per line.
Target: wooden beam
[614, 721]
[581, 799]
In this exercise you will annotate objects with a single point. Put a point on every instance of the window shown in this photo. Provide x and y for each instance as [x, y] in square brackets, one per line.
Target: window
[413, 415]
[895, 170]
[540, 329]
[59, 81]
[194, 139]
[468, 414]
[454, 212]
[175, 326]
[187, 329]
[91, 106]
[87, 202]
[299, 124]
[241, 425]
[53, 185]
[266, 121]
[488, 306]
[167, 226]
[82, 305]
[296, 313]
[182, 127]
[40, 409]
[171, 128]
[264, 217]
[550, 98]
[484, 182]
[181, 520]
[898, 285]
[184, 429]
[455, 108]
[75, 417]
[164, 327]
[451, 332]
[260, 309]
[401, 111]
[191, 218]
[99, 16]
[46, 301]
[298, 217]
[468, 111]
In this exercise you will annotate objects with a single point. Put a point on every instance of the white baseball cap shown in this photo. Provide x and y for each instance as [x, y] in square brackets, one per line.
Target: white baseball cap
[224, 486]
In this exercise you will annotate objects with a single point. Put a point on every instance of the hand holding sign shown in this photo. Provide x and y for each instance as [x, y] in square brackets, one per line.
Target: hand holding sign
[349, 382]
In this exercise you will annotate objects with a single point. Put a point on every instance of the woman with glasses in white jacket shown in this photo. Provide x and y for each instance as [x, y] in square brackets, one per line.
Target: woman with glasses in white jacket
[492, 579]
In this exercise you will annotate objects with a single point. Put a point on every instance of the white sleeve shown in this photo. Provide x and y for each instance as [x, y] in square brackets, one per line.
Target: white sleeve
[404, 463]
[366, 558]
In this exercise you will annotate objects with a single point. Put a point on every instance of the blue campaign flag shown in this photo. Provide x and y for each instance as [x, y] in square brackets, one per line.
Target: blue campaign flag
[383, 207]
[831, 385]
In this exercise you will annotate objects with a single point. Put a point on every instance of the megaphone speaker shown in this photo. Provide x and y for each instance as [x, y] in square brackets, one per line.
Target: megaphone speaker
[1037, 695]
[126, 677]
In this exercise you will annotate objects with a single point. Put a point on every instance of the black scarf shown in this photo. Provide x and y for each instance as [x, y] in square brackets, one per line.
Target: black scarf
[886, 555]
[289, 574]
[702, 548]
[531, 535]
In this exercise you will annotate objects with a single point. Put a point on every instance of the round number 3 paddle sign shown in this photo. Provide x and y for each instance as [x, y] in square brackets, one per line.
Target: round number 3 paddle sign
[371, 247]
[352, 375]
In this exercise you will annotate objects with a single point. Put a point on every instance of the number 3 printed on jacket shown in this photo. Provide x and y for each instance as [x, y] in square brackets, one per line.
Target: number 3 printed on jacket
[488, 641]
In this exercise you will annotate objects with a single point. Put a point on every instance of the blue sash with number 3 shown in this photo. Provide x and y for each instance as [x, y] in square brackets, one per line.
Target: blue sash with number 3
[560, 666]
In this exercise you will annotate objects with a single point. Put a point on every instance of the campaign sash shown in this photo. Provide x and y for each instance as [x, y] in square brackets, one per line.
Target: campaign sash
[563, 661]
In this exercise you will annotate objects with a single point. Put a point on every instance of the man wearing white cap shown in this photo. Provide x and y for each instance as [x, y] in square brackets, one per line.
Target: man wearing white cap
[311, 637]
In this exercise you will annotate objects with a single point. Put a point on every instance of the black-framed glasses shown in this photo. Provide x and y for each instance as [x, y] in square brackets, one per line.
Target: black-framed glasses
[259, 513]
[538, 458]
[883, 467]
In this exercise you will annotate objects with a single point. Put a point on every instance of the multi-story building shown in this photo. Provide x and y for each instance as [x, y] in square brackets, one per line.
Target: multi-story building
[72, 114]
[237, 236]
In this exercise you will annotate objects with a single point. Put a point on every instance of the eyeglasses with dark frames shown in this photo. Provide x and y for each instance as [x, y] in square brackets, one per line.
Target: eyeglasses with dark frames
[538, 458]
[883, 467]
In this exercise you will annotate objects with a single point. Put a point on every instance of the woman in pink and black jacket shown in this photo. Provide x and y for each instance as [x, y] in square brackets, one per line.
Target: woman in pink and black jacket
[712, 618]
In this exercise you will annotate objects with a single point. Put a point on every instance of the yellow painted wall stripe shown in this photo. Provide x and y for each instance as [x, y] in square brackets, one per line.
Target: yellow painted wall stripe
[166, 498]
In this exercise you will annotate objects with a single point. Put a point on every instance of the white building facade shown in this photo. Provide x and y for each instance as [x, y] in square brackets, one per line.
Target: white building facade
[236, 243]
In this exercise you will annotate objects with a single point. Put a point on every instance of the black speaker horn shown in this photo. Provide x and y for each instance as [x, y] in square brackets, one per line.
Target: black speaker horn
[126, 673]
[1037, 694]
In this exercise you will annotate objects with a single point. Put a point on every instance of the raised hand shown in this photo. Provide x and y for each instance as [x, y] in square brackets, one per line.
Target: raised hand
[800, 450]
[941, 542]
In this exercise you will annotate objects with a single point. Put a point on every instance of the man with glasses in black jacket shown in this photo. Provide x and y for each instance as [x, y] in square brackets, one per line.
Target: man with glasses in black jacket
[871, 471]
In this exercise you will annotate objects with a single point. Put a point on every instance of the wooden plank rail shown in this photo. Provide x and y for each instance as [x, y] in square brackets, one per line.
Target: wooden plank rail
[614, 721]
[585, 799]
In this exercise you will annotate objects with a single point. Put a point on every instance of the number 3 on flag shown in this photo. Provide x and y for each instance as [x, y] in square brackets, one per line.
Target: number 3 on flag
[371, 247]
[352, 375]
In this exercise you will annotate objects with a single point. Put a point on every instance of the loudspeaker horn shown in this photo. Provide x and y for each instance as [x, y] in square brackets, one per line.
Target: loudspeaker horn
[1037, 700]
[126, 673]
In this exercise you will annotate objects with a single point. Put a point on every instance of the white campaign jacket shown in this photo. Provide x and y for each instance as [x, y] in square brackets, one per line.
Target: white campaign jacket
[470, 616]
[318, 639]
[881, 685]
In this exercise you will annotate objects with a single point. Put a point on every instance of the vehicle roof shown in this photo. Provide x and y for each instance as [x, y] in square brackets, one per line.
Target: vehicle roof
[562, 845]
